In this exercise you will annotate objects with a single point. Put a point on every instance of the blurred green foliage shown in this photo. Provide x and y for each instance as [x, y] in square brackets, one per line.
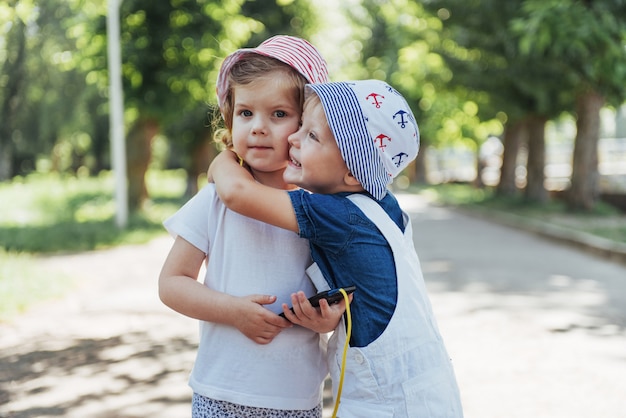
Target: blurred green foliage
[469, 69]
[56, 214]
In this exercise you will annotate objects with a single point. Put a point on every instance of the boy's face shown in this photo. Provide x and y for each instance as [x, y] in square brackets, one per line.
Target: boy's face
[265, 113]
[315, 161]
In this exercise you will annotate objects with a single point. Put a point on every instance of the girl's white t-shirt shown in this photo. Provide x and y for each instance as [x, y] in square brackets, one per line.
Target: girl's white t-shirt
[245, 257]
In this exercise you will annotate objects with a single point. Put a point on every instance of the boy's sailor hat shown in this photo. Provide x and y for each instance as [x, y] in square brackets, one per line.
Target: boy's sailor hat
[374, 127]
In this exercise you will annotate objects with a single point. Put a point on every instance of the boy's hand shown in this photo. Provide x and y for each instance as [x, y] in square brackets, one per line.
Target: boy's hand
[256, 322]
[323, 319]
[224, 157]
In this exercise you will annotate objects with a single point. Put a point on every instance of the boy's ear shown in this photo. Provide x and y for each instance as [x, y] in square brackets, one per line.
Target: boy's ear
[350, 180]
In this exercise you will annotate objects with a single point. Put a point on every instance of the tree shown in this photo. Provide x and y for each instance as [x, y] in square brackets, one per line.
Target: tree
[522, 91]
[293, 17]
[170, 52]
[55, 114]
[586, 38]
[13, 50]
[54, 80]
[514, 135]
[380, 39]
[397, 42]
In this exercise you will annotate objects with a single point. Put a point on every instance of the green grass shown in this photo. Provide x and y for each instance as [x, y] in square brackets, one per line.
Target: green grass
[604, 220]
[51, 214]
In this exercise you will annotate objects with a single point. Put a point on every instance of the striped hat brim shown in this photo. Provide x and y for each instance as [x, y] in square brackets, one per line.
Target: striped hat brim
[298, 53]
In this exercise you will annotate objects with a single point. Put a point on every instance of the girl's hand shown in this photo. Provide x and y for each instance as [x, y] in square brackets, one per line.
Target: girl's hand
[323, 319]
[256, 322]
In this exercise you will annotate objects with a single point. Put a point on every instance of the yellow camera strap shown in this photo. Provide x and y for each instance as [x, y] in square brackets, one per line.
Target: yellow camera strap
[345, 350]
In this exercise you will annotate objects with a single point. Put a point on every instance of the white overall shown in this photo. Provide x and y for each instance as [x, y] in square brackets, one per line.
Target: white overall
[406, 372]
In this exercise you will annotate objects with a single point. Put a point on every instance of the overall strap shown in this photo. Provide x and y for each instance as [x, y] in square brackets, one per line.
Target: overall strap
[379, 217]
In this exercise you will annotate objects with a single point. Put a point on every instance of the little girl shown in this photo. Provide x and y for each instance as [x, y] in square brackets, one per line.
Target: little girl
[250, 361]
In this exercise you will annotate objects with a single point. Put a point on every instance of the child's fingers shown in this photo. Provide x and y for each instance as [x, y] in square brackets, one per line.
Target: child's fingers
[263, 299]
[302, 306]
[325, 308]
[289, 314]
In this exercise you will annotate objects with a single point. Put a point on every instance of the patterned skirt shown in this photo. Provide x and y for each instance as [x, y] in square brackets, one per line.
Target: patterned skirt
[203, 407]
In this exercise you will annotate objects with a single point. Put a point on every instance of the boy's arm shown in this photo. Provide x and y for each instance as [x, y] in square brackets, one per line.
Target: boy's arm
[241, 193]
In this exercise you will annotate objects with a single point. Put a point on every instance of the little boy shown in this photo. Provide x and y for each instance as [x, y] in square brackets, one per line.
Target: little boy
[354, 139]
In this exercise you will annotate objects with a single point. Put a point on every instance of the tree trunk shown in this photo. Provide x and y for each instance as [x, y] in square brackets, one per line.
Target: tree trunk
[480, 166]
[420, 165]
[6, 160]
[583, 193]
[416, 170]
[202, 154]
[514, 136]
[138, 155]
[535, 177]
[620, 122]
[13, 70]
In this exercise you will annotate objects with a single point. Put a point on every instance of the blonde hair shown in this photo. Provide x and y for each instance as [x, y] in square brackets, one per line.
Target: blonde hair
[250, 68]
[311, 98]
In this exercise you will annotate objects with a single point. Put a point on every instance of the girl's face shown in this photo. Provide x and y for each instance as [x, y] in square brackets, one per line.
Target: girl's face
[315, 162]
[265, 113]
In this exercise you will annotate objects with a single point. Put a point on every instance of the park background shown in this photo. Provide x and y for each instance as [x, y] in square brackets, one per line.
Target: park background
[520, 105]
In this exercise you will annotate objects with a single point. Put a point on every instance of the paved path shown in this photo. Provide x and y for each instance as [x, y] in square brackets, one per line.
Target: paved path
[535, 329]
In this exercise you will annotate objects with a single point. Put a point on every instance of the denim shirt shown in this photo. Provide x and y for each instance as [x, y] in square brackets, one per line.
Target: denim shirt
[350, 250]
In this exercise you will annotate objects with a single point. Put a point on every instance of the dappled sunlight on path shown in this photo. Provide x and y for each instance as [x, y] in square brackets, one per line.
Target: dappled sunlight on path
[534, 328]
[108, 349]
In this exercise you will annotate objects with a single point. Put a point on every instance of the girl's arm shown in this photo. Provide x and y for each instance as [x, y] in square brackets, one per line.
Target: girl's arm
[180, 290]
[241, 193]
